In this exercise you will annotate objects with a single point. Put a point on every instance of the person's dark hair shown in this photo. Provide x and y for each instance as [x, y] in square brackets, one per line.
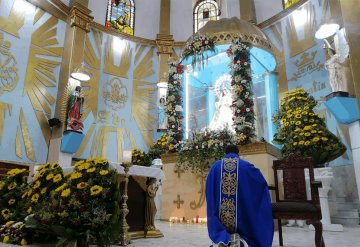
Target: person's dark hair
[78, 88]
[231, 149]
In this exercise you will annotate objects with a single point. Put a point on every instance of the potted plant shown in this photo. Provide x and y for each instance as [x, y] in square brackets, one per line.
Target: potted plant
[302, 131]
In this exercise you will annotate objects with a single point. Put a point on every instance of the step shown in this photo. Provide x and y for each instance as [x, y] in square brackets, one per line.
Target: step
[346, 205]
[346, 220]
[348, 213]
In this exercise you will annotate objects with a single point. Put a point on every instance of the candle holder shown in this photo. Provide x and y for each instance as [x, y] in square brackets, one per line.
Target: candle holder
[124, 238]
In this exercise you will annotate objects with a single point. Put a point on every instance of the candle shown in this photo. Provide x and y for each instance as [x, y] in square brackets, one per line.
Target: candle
[127, 157]
[188, 221]
[197, 218]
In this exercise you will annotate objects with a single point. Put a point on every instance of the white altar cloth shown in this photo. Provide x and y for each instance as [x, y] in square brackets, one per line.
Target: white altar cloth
[135, 170]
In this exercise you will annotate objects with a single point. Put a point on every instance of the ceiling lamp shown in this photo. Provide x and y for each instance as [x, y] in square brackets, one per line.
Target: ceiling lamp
[80, 74]
[326, 30]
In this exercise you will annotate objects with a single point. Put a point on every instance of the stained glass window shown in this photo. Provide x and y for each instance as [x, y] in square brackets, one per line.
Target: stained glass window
[205, 11]
[120, 16]
[288, 3]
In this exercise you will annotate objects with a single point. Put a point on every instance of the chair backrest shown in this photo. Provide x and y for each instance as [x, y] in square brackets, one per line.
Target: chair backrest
[294, 168]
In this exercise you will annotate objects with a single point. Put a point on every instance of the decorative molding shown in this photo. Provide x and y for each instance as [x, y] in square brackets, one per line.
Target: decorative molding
[165, 44]
[80, 17]
[54, 7]
[281, 15]
[123, 35]
[259, 148]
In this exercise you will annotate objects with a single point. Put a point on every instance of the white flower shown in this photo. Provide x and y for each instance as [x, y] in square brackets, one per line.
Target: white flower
[238, 111]
[197, 147]
[245, 63]
[173, 126]
[178, 108]
[243, 81]
[247, 109]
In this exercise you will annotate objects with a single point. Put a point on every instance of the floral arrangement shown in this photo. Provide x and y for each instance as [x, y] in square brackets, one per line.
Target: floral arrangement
[47, 179]
[82, 205]
[243, 104]
[196, 48]
[159, 147]
[174, 109]
[301, 131]
[14, 233]
[198, 153]
[140, 158]
[12, 187]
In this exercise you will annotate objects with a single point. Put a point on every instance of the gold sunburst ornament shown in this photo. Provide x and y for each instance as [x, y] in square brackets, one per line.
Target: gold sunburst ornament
[8, 69]
[115, 94]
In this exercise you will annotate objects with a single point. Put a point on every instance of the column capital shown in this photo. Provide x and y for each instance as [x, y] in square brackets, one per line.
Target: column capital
[80, 17]
[164, 43]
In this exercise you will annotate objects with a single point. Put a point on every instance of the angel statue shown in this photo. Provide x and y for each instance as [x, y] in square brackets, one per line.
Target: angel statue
[336, 62]
[76, 103]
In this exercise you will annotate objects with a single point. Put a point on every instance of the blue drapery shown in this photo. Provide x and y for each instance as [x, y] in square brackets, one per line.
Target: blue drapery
[253, 216]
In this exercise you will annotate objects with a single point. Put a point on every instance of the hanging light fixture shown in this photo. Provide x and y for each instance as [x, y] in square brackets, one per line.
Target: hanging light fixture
[80, 74]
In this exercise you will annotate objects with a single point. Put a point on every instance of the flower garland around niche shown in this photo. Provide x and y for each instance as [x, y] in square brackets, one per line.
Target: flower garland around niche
[174, 108]
[196, 48]
[243, 103]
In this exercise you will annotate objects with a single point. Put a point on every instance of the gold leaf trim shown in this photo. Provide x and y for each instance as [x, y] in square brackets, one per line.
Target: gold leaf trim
[144, 68]
[18, 150]
[26, 136]
[39, 13]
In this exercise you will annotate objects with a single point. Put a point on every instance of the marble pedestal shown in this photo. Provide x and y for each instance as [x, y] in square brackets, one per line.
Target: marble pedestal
[325, 175]
[183, 194]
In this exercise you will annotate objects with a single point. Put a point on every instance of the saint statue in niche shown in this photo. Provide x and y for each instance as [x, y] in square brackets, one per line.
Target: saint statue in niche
[223, 116]
[162, 114]
[76, 103]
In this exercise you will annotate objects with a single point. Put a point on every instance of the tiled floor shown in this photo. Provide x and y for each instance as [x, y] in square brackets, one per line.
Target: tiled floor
[183, 235]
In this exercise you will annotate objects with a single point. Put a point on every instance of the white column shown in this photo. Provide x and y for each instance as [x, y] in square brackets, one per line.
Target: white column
[354, 131]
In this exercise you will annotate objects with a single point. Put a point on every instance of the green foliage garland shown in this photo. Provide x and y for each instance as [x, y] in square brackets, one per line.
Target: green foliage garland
[243, 103]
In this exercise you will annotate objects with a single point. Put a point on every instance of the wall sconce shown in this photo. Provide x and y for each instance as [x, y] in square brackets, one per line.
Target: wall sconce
[80, 74]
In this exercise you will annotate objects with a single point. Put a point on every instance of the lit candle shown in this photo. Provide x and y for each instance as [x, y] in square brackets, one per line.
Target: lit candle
[127, 157]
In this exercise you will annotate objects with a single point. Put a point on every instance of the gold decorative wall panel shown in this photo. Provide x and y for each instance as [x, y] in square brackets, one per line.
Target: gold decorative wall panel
[18, 149]
[29, 149]
[299, 43]
[15, 20]
[92, 57]
[40, 75]
[4, 109]
[122, 69]
[8, 67]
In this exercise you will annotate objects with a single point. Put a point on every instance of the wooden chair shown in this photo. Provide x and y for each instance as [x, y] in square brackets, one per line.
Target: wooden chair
[295, 204]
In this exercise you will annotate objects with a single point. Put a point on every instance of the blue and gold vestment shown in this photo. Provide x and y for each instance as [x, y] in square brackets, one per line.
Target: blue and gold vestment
[238, 201]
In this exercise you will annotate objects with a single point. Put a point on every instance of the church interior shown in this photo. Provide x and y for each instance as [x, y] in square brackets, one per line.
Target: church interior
[125, 105]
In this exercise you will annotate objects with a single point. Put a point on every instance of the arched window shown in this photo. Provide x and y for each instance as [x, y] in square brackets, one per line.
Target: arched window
[288, 3]
[120, 16]
[205, 11]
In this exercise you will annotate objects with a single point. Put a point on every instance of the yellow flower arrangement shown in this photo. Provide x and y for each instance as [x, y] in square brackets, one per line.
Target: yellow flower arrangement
[35, 197]
[2, 184]
[9, 223]
[57, 178]
[6, 239]
[66, 192]
[75, 175]
[81, 185]
[104, 172]
[95, 190]
[54, 165]
[11, 201]
[29, 210]
[301, 131]
[37, 184]
[91, 170]
[61, 187]
[5, 213]
[23, 242]
[12, 186]
[49, 176]
[43, 190]
[16, 171]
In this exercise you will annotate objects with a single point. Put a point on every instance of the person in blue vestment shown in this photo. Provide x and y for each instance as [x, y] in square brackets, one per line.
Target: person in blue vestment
[238, 203]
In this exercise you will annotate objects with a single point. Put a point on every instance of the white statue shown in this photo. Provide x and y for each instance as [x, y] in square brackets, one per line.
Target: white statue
[335, 64]
[336, 78]
[223, 113]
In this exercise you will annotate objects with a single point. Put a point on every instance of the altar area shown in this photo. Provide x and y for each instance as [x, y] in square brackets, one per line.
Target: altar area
[214, 88]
